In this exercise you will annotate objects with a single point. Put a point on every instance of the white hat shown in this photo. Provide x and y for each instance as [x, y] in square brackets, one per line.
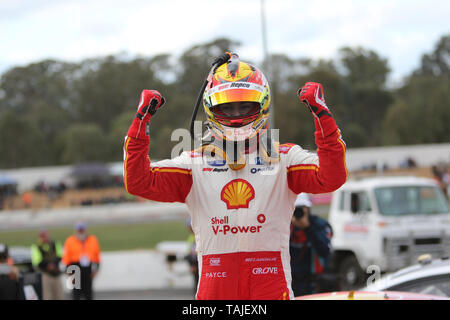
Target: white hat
[302, 200]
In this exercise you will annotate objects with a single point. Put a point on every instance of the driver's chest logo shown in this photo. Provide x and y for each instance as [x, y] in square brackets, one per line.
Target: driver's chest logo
[237, 194]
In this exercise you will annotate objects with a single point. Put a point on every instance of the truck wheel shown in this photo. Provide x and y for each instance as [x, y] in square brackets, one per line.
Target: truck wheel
[351, 276]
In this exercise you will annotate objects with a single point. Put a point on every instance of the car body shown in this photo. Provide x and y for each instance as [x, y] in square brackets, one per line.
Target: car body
[426, 277]
[364, 295]
[21, 257]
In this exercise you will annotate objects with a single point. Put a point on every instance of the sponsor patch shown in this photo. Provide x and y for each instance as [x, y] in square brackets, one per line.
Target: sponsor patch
[216, 163]
[214, 262]
[215, 169]
[284, 148]
[265, 270]
[264, 169]
[237, 194]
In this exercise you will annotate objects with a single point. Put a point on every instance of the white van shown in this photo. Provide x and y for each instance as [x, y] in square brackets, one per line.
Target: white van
[384, 223]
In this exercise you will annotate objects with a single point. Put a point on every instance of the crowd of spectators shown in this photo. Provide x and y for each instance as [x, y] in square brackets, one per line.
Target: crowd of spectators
[85, 185]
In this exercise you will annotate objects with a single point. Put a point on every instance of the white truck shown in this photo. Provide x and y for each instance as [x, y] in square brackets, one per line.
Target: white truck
[386, 223]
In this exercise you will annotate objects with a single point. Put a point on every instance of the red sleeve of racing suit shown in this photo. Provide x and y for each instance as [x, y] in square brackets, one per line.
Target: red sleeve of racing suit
[165, 181]
[321, 173]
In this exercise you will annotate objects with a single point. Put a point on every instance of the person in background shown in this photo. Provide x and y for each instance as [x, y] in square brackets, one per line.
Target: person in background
[309, 247]
[46, 257]
[441, 177]
[9, 276]
[446, 181]
[82, 250]
[27, 199]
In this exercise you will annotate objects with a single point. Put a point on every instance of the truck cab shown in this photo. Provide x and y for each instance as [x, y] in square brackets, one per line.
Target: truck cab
[382, 224]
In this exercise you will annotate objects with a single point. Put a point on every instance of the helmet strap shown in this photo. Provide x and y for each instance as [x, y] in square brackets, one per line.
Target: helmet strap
[268, 147]
[234, 153]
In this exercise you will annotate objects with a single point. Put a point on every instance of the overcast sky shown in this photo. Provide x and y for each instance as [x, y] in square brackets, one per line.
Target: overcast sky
[72, 30]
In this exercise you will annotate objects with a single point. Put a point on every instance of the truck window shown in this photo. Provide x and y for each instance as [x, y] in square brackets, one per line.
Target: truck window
[342, 201]
[410, 200]
[359, 202]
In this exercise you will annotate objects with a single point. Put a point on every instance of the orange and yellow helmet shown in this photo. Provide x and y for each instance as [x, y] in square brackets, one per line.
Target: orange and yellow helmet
[237, 82]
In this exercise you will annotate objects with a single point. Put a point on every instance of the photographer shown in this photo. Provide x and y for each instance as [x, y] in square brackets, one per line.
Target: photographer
[309, 247]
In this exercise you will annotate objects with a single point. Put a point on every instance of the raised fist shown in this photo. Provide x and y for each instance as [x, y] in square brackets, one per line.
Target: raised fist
[151, 101]
[312, 95]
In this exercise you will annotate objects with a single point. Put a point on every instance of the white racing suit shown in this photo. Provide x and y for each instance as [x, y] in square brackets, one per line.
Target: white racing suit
[241, 218]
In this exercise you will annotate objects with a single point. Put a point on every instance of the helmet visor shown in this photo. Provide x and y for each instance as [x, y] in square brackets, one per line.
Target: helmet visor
[236, 114]
[236, 109]
[236, 92]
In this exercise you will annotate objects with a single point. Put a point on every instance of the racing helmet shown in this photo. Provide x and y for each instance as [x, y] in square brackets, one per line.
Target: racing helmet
[236, 101]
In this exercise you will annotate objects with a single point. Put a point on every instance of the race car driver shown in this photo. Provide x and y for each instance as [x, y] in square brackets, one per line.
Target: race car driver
[240, 203]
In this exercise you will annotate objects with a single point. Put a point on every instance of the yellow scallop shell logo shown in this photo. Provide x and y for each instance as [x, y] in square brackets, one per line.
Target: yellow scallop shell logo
[237, 194]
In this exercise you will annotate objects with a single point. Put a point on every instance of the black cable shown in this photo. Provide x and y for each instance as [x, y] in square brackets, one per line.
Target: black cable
[217, 62]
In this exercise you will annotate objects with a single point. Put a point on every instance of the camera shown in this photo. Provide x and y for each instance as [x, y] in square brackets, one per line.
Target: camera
[299, 212]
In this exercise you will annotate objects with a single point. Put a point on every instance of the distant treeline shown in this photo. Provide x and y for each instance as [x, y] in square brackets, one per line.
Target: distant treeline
[56, 112]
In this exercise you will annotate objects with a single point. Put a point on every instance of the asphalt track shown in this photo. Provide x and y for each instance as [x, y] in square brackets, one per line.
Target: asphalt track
[152, 294]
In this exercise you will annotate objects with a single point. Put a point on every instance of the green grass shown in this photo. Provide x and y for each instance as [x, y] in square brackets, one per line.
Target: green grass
[111, 237]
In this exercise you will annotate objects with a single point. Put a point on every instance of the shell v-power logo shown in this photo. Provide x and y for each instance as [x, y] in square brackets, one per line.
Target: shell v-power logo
[237, 194]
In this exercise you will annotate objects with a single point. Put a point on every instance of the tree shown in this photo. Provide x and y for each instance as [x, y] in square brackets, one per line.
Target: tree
[195, 63]
[297, 118]
[39, 95]
[85, 143]
[421, 112]
[46, 82]
[437, 63]
[366, 97]
[108, 86]
[282, 93]
[22, 143]
[364, 67]
[54, 112]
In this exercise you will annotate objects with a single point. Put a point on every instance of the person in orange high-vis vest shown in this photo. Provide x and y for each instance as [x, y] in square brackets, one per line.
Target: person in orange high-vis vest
[82, 250]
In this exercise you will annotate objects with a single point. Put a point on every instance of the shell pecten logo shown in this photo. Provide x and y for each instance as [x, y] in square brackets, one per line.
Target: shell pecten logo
[237, 194]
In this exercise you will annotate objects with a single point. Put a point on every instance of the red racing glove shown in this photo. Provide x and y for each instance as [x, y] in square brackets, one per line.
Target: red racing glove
[312, 95]
[151, 101]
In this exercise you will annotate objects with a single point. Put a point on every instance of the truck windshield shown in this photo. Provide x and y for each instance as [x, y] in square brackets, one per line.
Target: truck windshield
[410, 200]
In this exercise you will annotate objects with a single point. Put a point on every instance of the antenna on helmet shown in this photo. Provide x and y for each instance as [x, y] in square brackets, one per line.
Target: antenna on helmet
[224, 58]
